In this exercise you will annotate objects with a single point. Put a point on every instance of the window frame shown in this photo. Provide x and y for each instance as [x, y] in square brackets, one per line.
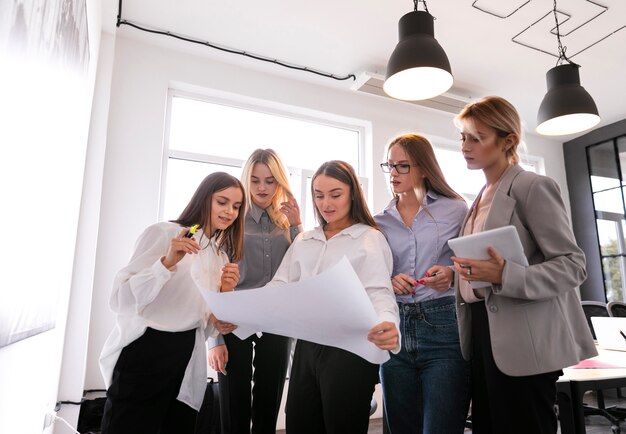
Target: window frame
[361, 127]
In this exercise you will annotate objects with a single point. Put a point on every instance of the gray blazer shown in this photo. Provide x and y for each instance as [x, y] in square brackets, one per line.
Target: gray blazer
[536, 321]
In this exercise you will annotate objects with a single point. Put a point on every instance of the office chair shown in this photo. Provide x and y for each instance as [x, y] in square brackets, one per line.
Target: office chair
[617, 309]
[594, 308]
[612, 414]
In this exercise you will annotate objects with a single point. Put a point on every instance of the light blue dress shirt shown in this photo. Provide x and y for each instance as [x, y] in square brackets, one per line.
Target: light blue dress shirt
[417, 248]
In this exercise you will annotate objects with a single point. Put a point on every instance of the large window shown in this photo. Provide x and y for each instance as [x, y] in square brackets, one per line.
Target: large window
[607, 166]
[206, 135]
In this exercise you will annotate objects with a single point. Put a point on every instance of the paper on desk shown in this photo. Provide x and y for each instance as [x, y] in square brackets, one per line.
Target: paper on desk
[607, 359]
[331, 308]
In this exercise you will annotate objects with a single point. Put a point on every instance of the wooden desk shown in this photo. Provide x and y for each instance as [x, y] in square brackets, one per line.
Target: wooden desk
[573, 384]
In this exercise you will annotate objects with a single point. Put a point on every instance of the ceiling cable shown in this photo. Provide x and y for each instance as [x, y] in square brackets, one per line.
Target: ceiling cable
[121, 21]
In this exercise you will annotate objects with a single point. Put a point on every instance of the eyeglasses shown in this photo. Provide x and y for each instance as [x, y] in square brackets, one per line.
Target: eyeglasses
[400, 168]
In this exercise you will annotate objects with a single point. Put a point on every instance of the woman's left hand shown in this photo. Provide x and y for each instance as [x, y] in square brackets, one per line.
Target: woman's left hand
[385, 336]
[442, 281]
[291, 211]
[230, 277]
[489, 270]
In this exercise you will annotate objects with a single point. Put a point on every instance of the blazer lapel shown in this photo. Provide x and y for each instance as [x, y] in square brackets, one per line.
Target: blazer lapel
[503, 205]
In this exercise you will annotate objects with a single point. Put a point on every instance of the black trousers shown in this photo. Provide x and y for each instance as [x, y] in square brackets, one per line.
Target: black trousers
[239, 407]
[502, 404]
[330, 391]
[146, 382]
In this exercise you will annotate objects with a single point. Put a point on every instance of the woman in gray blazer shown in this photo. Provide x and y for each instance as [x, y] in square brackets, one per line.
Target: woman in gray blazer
[528, 325]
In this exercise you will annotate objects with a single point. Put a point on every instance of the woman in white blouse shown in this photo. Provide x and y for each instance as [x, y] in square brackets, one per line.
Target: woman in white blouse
[154, 361]
[330, 389]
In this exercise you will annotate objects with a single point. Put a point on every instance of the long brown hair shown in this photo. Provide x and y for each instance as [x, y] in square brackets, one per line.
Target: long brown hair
[421, 154]
[198, 211]
[270, 158]
[343, 172]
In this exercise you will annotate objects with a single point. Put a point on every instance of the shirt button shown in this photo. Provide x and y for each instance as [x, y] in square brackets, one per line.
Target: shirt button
[267, 256]
[493, 309]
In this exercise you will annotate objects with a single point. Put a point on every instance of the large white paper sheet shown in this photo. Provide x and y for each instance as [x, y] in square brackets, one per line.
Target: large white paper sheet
[331, 308]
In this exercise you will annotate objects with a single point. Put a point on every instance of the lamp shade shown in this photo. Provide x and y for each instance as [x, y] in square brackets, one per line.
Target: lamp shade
[567, 107]
[418, 68]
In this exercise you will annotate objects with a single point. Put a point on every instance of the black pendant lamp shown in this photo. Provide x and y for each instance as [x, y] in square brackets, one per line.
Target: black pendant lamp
[418, 67]
[567, 108]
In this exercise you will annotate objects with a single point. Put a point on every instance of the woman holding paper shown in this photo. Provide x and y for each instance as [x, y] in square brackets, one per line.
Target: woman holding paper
[272, 222]
[428, 378]
[528, 324]
[330, 389]
[154, 361]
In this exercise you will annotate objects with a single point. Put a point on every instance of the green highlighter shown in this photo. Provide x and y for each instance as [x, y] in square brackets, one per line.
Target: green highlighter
[192, 230]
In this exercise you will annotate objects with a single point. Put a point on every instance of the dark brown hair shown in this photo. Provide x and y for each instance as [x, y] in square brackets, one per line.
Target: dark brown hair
[198, 211]
[343, 172]
[421, 153]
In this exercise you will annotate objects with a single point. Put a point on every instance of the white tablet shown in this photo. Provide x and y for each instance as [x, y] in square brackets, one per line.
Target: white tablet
[505, 240]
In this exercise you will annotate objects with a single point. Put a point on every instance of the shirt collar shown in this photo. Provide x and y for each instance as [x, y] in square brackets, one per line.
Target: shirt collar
[431, 196]
[355, 231]
[255, 211]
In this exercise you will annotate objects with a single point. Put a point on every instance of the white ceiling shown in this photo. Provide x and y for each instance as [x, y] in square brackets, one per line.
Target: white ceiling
[349, 36]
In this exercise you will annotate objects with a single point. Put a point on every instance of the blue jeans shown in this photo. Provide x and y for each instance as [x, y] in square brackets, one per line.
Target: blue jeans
[426, 385]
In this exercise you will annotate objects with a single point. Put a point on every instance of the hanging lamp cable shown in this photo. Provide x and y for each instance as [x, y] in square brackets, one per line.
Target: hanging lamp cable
[561, 48]
[417, 2]
[121, 21]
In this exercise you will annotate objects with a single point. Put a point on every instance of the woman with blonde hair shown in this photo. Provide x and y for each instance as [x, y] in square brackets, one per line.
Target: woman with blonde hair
[271, 224]
[425, 385]
[520, 331]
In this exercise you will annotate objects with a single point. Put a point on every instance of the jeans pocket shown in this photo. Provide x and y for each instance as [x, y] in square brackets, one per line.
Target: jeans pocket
[441, 318]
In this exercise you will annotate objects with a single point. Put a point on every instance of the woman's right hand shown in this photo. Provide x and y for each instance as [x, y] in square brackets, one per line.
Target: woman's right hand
[403, 284]
[179, 247]
[218, 358]
[222, 326]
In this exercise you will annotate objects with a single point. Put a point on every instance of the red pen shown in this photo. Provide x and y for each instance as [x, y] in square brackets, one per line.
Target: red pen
[421, 281]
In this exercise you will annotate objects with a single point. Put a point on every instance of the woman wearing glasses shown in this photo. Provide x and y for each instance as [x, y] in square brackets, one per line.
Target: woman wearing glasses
[425, 385]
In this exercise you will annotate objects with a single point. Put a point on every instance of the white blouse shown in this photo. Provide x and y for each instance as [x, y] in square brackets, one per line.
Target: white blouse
[146, 294]
[368, 252]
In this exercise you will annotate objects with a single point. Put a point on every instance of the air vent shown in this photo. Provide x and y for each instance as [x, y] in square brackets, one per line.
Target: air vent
[369, 82]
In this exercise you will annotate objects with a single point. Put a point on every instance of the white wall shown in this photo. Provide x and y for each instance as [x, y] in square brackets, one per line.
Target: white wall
[141, 77]
[46, 116]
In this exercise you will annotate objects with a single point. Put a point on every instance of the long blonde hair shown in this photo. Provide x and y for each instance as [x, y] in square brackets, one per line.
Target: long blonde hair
[421, 154]
[283, 191]
[497, 113]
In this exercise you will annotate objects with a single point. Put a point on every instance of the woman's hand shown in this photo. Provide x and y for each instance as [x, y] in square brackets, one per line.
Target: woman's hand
[222, 326]
[441, 281]
[385, 336]
[489, 270]
[179, 247]
[218, 358]
[291, 211]
[403, 284]
[230, 277]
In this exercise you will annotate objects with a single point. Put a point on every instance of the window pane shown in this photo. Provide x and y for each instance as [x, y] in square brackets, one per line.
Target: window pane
[213, 129]
[183, 177]
[603, 167]
[607, 234]
[613, 272]
[461, 179]
[609, 201]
